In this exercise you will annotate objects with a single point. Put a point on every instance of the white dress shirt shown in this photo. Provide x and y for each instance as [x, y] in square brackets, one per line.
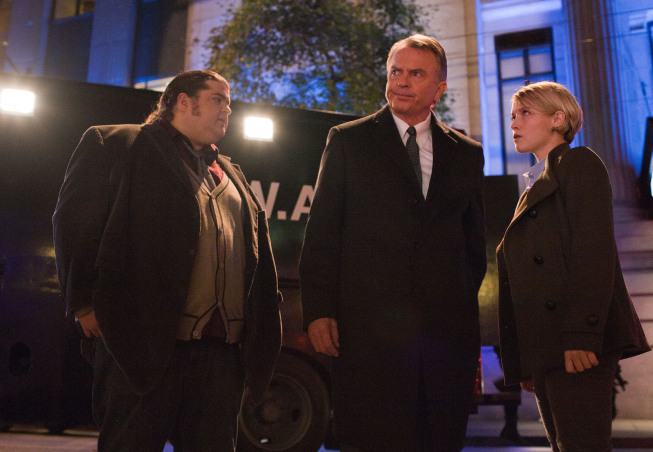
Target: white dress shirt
[425, 143]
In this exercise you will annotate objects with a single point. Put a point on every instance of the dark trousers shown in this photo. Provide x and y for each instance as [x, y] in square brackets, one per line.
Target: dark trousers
[441, 414]
[195, 406]
[577, 408]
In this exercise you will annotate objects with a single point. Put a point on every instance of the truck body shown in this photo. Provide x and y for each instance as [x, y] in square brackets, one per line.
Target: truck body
[42, 377]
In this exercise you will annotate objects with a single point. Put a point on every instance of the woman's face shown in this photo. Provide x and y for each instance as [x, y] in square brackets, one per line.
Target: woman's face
[534, 132]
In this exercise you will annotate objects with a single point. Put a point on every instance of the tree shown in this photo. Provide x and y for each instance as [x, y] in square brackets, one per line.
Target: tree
[322, 54]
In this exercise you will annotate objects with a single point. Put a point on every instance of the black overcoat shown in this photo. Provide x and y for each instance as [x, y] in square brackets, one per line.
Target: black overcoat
[560, 281]
[126, 227]
[399, 273]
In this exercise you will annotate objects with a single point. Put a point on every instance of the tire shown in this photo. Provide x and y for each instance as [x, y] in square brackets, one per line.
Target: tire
[294, 413]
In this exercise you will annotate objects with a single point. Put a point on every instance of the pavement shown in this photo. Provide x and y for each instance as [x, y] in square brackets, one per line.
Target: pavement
[482, 436]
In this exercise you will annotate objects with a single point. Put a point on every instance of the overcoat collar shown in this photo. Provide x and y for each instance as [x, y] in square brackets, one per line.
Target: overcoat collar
[169, 155]
[545, 185]
[389, 141]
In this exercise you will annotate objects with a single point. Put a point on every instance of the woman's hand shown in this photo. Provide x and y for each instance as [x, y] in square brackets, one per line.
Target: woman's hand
[579, 360]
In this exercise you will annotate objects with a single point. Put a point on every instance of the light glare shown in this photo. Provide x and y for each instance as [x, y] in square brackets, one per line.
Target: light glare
[258, 128]
[17, 101]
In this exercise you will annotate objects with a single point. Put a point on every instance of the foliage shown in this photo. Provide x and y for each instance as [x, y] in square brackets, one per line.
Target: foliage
[321, 54]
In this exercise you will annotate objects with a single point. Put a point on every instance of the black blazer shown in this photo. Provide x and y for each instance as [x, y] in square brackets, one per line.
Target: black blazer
[126, 228]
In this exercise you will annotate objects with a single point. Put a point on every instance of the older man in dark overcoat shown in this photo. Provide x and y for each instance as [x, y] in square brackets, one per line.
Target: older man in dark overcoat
[393, 258]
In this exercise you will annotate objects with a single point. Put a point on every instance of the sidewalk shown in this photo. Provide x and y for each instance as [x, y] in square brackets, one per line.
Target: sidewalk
[483, 436]
[626, 434]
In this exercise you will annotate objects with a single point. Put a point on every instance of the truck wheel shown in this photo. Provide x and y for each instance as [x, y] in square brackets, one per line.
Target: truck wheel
[294, 413]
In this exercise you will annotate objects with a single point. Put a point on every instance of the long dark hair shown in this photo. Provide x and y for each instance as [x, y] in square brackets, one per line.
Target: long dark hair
[189, 82]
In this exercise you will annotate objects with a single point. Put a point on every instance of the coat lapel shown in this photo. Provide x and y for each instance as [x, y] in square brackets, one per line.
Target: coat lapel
[444, 147]
[544, 187]
[445, 154]
[391, 144]
[169, 155]
[250, 220]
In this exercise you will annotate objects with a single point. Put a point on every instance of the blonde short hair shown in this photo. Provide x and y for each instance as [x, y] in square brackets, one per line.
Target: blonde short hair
[549, 97]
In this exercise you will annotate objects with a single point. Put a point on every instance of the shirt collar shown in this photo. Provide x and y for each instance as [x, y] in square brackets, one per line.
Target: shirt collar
[534, 172]
[420, 128]
[209, 153]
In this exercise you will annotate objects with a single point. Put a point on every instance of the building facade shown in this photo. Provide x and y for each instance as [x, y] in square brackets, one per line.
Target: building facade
[600, 49]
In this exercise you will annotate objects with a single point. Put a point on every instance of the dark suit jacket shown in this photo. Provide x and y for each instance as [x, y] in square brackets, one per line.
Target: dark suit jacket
[125, 230]
[560, 281]
[399, 273]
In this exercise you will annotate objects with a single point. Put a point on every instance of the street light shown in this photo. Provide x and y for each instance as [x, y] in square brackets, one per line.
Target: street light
[259, 128]
[17, 102]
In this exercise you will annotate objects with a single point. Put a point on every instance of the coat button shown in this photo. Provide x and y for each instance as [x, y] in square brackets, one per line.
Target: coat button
[592, 319]
[532, 213]
[538, 259]
[550, 305]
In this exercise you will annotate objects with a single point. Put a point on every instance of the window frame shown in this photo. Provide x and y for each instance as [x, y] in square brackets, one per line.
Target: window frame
[77, 13]
[524, 42]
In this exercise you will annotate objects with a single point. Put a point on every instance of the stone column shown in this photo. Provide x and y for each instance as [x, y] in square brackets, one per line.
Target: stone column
[597, 87]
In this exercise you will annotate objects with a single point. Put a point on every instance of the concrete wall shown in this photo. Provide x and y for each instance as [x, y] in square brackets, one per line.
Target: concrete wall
[112, 42]
[28, 34]
[453, 24]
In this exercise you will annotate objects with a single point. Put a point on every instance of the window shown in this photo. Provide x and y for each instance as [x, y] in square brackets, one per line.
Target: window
[5, 17]
[70, 8]
[69, 40]
[522, 58]
[160, 44]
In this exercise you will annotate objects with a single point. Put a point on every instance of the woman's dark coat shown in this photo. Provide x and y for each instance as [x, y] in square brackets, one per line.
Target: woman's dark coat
[560, 281]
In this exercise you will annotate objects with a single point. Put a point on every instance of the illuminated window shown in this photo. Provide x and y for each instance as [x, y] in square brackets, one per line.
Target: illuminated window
[70, 8]
[522, 58]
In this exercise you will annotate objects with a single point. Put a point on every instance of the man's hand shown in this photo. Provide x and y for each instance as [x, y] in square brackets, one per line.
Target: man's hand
[528, 386]
[579, 360]
[323, 334]
[89, 325]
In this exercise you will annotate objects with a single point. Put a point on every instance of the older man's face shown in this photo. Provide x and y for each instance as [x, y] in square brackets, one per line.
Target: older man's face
[414, 84]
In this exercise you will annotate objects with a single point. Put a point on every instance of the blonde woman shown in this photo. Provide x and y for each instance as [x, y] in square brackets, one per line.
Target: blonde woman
[565, 316]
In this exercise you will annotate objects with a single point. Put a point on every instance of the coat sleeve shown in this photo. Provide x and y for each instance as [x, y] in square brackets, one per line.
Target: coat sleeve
[79, 220]
[589, 248]
[319, 268]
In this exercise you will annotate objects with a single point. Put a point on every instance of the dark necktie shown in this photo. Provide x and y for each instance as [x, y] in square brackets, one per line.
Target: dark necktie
[413, 153]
